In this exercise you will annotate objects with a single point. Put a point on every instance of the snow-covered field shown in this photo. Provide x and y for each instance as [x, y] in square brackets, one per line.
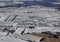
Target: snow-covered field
[23, 13]
[10, 39]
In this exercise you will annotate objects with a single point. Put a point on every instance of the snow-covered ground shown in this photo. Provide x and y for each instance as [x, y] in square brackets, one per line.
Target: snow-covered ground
[23, 14]
[4, 38]
[10, 39]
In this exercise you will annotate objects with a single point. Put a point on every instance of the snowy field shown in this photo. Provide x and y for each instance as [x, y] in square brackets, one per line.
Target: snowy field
[17, 15]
